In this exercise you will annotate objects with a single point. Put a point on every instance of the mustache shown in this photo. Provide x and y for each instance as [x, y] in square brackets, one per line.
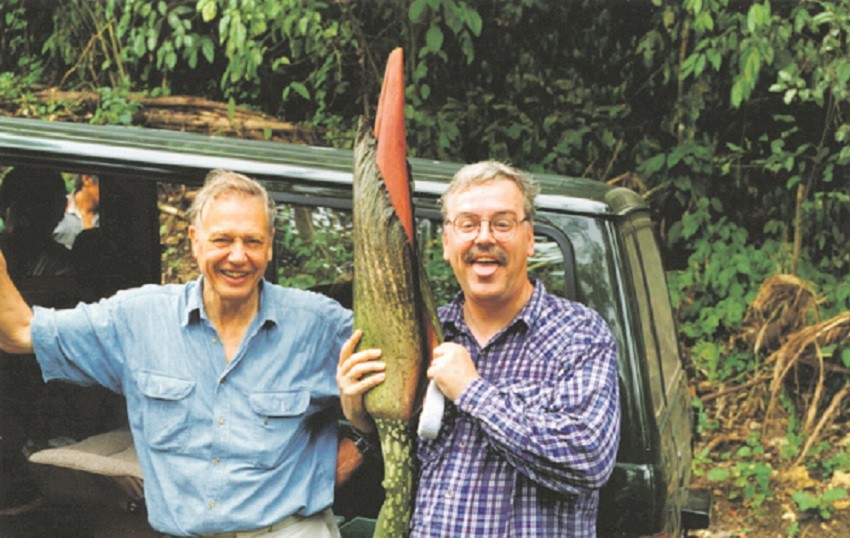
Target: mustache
[493, 251]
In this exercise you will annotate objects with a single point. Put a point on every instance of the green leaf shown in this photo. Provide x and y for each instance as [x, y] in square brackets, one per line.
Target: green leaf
[208, 49]
[473, 22]
[699, 66]
[717, 474]
[208, 10]
[789, 96]
[653, 164]
[153, 38]
[434, 39]
[301, 90]
[825, 17]
[845, 357]
[704, 22]
[697, 6]
[737, 94]
[805, 500]
[417, 7]
[842, 73]
[174, 21]
[714, 58]
[139, 45]
[834, 494]
[675, 156]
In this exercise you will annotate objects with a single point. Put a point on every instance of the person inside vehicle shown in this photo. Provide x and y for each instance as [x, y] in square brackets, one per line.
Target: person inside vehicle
[82, 210]
[31, 204]
[531, 429]
[229, 379]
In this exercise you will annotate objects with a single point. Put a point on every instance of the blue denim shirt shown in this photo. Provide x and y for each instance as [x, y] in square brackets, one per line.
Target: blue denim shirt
[223, 446]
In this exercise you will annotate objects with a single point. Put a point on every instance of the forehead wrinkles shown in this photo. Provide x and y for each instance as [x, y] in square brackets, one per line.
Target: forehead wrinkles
[226, 196]
[234, 213]
[498, 198]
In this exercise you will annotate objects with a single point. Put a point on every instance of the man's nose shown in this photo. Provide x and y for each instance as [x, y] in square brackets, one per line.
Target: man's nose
[485, 234]
[237, 251]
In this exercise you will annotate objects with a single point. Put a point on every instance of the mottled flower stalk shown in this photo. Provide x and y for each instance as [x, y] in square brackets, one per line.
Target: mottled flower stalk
[398, 448]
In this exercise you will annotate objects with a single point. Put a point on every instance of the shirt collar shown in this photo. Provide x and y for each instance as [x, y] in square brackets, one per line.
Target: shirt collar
[195, 310]
[453, 314]
[71, 206]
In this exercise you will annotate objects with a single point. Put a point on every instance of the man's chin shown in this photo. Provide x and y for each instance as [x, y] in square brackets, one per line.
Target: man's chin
[233, 293]
[483, 290]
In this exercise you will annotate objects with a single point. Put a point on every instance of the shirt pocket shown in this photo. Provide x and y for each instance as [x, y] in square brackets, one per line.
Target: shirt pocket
[276, 419]
[165, 413]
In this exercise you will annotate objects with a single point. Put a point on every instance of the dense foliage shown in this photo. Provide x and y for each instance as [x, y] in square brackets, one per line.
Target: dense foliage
[730, 117]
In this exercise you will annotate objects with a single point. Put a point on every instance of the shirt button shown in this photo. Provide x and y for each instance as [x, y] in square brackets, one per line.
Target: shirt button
[221, 421]
[449, 495]
[214, 340]
[215, 461]
[212, 505]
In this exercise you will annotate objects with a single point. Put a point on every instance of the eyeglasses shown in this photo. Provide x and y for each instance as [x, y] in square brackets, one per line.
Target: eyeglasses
[502, 227]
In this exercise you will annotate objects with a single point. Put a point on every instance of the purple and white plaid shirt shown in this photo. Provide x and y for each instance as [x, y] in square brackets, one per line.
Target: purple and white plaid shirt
[528, 445]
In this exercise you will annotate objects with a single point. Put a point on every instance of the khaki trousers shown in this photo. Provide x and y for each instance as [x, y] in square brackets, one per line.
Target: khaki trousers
[321, 525]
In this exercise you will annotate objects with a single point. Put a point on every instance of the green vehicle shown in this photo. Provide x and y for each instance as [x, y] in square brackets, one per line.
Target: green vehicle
[594, 244]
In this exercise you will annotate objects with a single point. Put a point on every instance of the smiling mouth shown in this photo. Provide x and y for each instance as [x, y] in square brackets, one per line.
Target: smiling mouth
[486, 261]
[234, 274]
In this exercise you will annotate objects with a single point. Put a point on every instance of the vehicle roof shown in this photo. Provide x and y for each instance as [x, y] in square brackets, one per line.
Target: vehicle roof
[173, 155]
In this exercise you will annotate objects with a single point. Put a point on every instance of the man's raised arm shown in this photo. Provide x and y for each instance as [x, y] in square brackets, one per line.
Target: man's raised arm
[15, 315]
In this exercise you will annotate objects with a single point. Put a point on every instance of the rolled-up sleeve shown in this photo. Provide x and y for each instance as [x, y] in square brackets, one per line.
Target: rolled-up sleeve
[77, 345]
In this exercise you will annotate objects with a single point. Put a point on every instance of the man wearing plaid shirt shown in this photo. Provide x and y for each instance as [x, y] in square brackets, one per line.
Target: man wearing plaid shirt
[531, 429]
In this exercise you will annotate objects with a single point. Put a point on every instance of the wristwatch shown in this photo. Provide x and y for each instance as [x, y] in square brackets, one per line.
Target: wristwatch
[367, 444]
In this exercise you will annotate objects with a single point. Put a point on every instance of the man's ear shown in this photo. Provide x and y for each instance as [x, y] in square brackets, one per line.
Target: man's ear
[270, 250]
[193, 238]
[445, 241]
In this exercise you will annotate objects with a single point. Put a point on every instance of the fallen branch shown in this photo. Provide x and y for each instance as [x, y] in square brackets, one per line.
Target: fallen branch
[828, 416]
[737, 388]
[177, 112]
[799, 346]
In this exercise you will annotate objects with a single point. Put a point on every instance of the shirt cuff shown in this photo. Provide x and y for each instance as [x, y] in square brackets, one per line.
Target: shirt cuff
[475, 395]
[44, 343]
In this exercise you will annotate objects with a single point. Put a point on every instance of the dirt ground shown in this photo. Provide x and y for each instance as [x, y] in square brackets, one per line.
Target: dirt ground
[773, 519]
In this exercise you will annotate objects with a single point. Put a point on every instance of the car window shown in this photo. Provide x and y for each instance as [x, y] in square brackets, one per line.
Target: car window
[313, 246]
[177, 263]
